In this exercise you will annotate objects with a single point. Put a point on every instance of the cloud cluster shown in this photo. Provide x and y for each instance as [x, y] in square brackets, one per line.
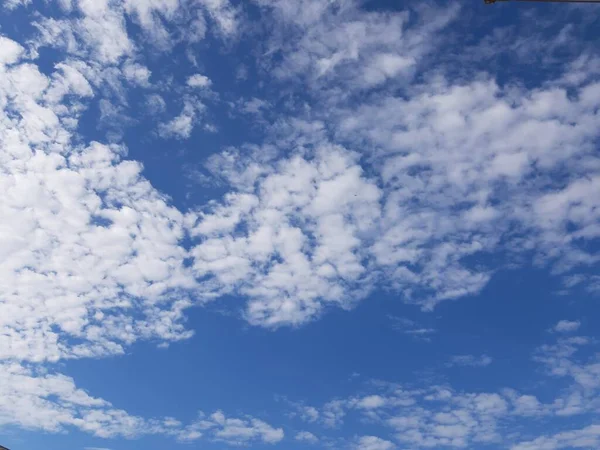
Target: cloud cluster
[340, 47]
[588, 437]
[471, 360]
[292, 239]
[473, 175]
[385, 170]
[232, 431]
[90, 251]
[374, 443]
[37, 400]
[457, 172]
[91, 261]
[51, 402]
[439, 416]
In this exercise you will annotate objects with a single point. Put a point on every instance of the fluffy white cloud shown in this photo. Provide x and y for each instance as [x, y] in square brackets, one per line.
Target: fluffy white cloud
[91, 257]
[233, 431]
[181, 126]
[337, 42]
[137, 73]
[198, 81]
[588, 437]
[306, 436]
[566, 326]
[293, 240]
[37, 400]
[464, 169]
[439, 416]
[374, 443]
[385, 184]
[460, 167]
[10, 51]
[97, 32]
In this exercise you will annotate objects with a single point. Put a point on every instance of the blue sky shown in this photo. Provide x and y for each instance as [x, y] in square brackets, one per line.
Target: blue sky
[299, 224]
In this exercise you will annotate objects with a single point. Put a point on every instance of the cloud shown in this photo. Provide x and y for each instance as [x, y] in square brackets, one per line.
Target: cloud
[339, 43]
[39, 400]
[464, 168]
[233, 431]
[97, 32]
[396, 173]
[91, 255]
[428, 415]
[449, 168]
[566, 326]
[306, 436]
[52, 403]
[304, 220]
[198, 81]
[137, 73]
[588, 437]
[181, 126]
[471, 360]
[371, 402]
[10, 51]
[308, 413]
[411, 328]
[374, 443]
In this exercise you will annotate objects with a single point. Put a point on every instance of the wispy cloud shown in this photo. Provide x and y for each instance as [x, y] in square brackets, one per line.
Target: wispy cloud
[410, 327]
[470, 360]
[566, 326]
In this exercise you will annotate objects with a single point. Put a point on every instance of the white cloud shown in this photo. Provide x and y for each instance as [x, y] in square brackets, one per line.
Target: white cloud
[438, 416]
[386, 65]
[471, 360]
[304, 222]
[91, 256]
[588, 437]
[459, 168]
[411, 328]
[198, 81]
[371, 402]
[233, 431]
[374, 443]
[90, 252]
[10, 51]
[566, 326]
[333, 413]
[337, 42]
[38, 400]
[155, 104]
[52, 403]
[306, 436]
[308, 413]
[456, 183]
[137, 74]
[254, 106]
[181, 126]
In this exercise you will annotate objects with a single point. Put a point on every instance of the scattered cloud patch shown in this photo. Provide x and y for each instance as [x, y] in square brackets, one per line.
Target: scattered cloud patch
[412, 328]
[306, 436]
[199, 81]
[374, 443]
[566, 326]
[233, 431]
[470, 360]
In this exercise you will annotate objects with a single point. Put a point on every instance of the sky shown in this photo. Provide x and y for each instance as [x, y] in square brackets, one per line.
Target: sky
[298, 224]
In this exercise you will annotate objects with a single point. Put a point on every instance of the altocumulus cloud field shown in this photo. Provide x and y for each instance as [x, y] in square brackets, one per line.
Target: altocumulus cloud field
[297, 224]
